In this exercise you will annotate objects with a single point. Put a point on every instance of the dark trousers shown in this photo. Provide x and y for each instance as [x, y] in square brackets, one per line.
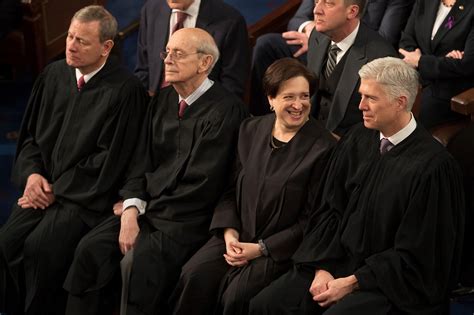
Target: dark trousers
[268, 49]
[36, 249]
[157, 262]
[209, 285]
[290, 295]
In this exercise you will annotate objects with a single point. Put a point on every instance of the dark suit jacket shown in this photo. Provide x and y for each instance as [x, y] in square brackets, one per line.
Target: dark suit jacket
[388, 17]
[446, 77]
[223, 22]
[368, 45]
[303, 14]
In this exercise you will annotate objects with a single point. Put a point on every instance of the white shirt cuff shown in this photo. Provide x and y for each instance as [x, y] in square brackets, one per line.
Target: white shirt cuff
[303, 25]
[135, 202]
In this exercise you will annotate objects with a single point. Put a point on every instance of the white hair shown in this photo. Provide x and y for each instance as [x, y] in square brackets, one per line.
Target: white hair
[396, 77]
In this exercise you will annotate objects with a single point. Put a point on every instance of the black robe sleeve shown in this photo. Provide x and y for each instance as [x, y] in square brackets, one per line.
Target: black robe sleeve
[28, 159]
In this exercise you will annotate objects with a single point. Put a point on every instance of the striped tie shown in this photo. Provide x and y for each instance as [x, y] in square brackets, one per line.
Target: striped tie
[331, 63]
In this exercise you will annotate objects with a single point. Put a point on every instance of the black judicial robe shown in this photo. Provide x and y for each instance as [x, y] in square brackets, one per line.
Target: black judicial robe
[81, 142]
[183, 164]
[266, 200]
[394, 221]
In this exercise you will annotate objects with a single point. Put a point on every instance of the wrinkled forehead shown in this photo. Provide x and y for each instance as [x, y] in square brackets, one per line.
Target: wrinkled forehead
[90, 28]
[182, 42]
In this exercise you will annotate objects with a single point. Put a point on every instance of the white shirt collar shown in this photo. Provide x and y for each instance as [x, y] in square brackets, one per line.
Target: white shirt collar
[403, 133]
[346, 43]
[205, 85]
[88, 76]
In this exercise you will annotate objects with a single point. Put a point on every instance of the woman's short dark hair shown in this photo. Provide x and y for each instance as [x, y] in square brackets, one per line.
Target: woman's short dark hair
[283, 70]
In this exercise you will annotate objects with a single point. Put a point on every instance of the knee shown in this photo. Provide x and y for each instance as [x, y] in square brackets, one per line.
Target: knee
[193, 277]
[260, 304]
[266, 45]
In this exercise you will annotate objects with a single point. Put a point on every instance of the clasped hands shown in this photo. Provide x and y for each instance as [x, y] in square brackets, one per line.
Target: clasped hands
[239, 254]
[38, 193]
[326, 290]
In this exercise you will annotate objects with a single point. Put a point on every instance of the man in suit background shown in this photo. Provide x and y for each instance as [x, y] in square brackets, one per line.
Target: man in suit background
[223, 22]
[388, 17]
[338, 47]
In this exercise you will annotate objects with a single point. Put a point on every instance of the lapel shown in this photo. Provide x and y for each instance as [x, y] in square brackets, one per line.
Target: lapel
[162, 23]
[205, 16]
[356, 58]
[428, 11]
[456, 15]
[317, 59]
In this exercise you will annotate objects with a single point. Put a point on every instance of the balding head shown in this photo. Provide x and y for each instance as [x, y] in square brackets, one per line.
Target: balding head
[192, 53]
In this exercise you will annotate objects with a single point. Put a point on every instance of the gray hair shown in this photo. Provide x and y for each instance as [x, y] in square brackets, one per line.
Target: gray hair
[396, 77]
[208, 46]
[107, 22]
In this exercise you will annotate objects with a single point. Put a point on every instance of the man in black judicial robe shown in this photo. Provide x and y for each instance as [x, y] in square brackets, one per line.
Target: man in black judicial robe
[73, 147]
[386, 238]
[181, 167]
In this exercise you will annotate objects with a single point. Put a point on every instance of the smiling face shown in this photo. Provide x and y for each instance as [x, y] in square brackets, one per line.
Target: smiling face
[292, 103]
[380, 112]
[179, 4]
[83, 47]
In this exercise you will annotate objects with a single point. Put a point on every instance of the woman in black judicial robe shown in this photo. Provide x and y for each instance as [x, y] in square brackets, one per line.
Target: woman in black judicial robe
[258, 223]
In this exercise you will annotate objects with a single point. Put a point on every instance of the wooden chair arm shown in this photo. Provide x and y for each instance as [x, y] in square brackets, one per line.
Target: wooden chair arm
[464, 103]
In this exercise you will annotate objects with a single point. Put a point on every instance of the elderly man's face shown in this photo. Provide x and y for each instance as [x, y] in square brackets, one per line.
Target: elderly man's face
[179, 4]
[83, 47]
[183, 61]
[330, 15]
[379, 111]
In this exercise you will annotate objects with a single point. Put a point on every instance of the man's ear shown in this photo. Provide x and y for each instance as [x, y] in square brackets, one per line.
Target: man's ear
[402, 103]
[107, 47]
[205, 63]
[352, 11]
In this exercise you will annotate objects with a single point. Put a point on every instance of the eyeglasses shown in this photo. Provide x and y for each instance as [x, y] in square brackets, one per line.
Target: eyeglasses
[176, 54]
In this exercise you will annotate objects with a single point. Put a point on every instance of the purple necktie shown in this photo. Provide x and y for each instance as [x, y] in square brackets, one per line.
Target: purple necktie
[182, 107]
[385, 145]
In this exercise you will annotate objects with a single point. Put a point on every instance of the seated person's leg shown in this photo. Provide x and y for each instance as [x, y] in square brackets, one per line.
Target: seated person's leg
[157, 263]
[95, 266]
[125, 268]
[245, 282]
[362, 302]
[198, 286]
[289, 294]
[48, 253]
[12, 238]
